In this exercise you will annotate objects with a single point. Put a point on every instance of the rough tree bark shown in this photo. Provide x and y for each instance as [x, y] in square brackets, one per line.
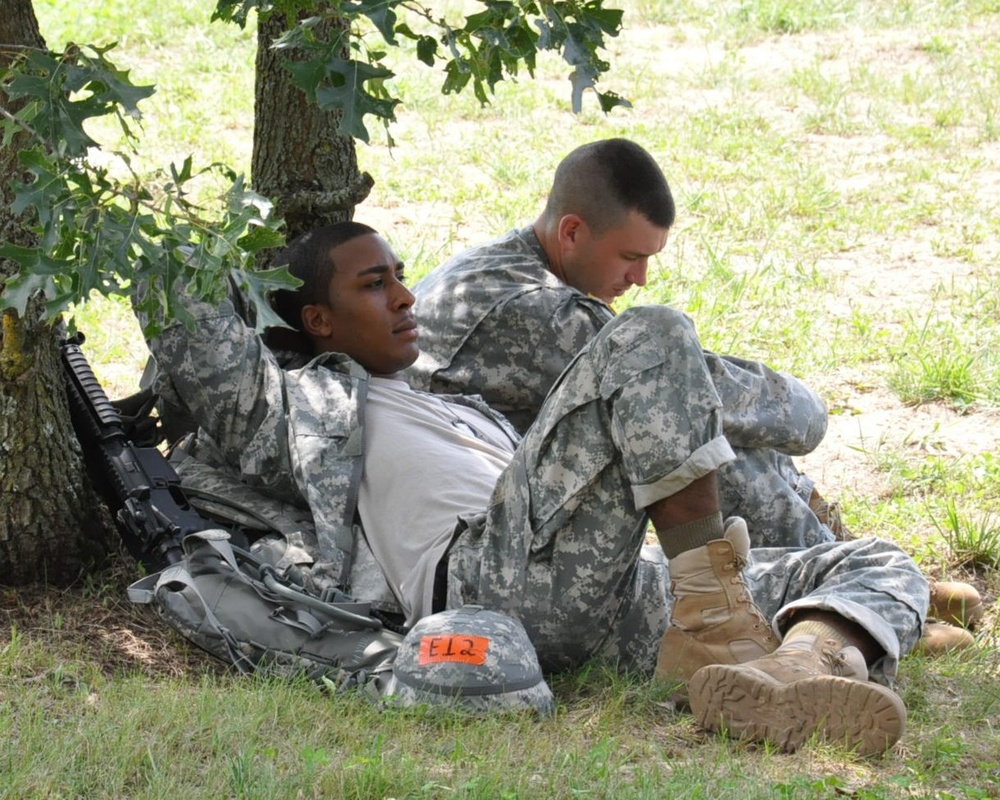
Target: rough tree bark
[50, 525]
[299, 159]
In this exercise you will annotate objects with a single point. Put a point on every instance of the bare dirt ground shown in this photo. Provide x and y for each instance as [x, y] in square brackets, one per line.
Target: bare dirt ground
[882, 276]
[873, 418]
[885, 276]
[902, 277]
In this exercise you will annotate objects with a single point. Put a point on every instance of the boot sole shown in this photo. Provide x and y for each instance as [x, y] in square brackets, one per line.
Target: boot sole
[747, 703]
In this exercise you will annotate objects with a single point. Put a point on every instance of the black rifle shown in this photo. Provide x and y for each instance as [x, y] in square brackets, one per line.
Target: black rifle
[138, 483]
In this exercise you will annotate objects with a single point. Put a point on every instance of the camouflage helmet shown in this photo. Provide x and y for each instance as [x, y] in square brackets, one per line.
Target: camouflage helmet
[470, 658]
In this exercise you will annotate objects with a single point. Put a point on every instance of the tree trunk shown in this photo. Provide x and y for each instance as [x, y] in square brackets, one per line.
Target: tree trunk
[50, 527]
[299, 159]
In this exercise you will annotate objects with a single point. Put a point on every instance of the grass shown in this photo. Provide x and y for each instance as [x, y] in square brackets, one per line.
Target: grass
[835, 164]
[208, 735]
[971, 542]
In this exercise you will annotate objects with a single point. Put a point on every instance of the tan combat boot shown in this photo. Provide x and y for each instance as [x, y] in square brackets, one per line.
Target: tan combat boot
[829, 515]
[714, 619]
[954, 606]
[808, 687]
[938, 638]
[956, 603]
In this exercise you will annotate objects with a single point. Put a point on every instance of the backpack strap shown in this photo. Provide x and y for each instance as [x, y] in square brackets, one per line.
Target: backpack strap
[237, 608]
[144, 592]
[344, 609]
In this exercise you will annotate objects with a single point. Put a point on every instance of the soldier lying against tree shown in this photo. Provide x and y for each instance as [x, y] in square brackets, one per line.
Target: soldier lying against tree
[548, 528]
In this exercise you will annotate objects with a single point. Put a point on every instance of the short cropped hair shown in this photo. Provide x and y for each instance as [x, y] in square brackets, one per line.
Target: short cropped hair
[308, 257]
[603, 181]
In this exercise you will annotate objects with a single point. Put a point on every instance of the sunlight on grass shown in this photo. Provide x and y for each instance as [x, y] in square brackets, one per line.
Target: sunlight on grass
[113, 343]
[203, 74]
[939, 359]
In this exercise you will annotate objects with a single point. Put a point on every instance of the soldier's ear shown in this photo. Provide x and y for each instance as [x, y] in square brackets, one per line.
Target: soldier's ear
[316, 320]
[569, 229]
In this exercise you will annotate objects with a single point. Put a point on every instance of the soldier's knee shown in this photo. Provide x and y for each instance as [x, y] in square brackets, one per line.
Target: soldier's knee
[656, 323]
[656, 319]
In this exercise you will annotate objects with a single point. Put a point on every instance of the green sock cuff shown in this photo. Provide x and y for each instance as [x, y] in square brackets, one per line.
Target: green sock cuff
[691, 535]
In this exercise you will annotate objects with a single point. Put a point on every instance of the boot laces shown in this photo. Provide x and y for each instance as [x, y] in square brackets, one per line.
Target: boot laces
[845, 662]
[744, 598]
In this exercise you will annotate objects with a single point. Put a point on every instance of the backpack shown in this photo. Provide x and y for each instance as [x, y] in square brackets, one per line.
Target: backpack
[240, 610]
[219, 596]
[281, 533]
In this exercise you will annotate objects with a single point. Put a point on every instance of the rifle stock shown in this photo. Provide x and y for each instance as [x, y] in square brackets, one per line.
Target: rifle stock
[138, 483]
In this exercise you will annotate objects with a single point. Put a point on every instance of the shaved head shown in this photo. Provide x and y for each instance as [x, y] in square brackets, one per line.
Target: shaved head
[603, 181]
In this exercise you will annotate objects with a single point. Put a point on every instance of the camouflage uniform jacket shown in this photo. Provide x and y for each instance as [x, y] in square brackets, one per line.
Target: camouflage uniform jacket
[297, 435]
[494, 320]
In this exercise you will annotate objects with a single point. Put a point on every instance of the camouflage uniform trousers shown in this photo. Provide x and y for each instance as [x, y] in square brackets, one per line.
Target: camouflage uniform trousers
[768, 417]
[764, 487]
[561, 545]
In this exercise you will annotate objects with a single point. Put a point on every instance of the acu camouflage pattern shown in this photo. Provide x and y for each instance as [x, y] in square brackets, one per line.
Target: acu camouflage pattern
[284, 534]
[494, 321]
[220, 603]
[560, 545]
[630, 422]
[472, 658]
[294, 435]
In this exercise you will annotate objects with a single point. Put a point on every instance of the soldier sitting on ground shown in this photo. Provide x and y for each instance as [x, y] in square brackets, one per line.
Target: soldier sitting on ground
[775, 644]
[504, 319]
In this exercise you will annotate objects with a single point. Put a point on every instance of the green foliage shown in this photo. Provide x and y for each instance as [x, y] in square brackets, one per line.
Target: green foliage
[99, 232]
[355, 87]
[336, 66]
[78, 85]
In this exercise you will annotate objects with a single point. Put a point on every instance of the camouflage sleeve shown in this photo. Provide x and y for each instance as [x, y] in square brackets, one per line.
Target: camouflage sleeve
[575, 322]
[520, 349]
[766, 408]
[233, 388]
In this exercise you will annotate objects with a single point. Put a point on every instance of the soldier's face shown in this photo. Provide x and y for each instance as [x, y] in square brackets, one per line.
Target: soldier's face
[608, 264]
[369, 315]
